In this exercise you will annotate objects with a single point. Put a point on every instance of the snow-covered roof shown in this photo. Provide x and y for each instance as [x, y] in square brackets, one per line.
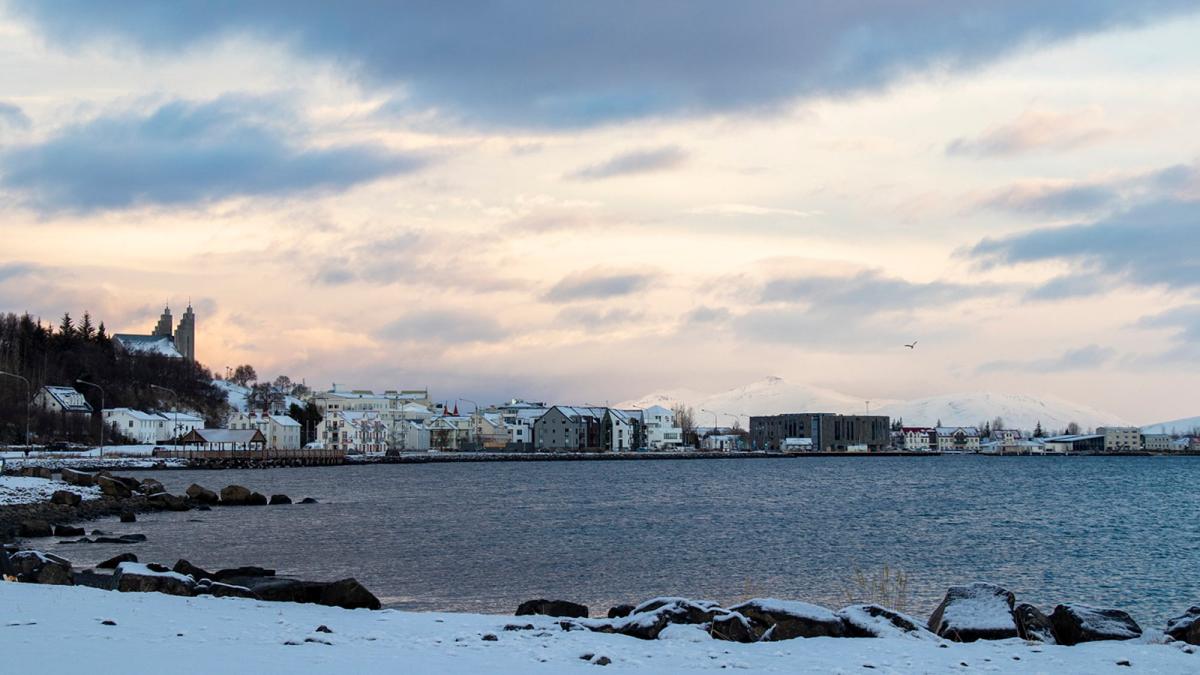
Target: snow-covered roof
[135, 414]
[225, 436]
[68, 398]
[1072, 438]
[577, 412]
[950, 431]
[284, 420]
[148, 344]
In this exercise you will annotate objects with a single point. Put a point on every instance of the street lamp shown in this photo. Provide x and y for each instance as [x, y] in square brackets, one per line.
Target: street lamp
[175, 438]
[28, 404]
[90, 384]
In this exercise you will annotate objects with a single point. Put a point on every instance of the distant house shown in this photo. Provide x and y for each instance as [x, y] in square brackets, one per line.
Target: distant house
[797, 445]
[449, 432]
[621, 430]
[147, 427]
[63, 400]
[829, 432]
[918, 439]
[354, 431]
[1006, 435]
[725, 442]
[1121, 439]
[1017, 446]
[488, 431]
[570, 428]
[1075, 444]
[1156, 442]
[281, 431]
[519, 416]
[225, 439]
[957, 439]
[661, 430]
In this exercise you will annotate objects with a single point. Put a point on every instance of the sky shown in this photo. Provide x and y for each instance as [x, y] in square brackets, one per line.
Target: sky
[588, 202]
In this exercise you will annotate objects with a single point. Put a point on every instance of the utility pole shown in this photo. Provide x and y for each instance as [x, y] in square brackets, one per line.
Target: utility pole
[175, 438]
[102, 425]
[28, 404]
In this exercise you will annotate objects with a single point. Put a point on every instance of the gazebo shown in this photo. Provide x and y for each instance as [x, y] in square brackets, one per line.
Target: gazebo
[226, 439]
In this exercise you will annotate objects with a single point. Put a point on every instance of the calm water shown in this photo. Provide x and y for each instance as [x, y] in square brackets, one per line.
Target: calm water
[1118, 531]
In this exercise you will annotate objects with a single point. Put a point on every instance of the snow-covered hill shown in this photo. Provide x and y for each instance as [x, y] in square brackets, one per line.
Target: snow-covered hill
[774, 395]
[236, 395]
[1181, 426]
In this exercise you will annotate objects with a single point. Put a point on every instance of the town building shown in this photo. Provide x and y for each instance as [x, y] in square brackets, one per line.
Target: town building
[519, 416]
[151, 427]
[829, 432]
[918, 439]
[797, 445]
[225, 439]
[1013, 446]
[622, 430]
[661, 429]
[723, 442]
[450, 433]
[1074, 444]
[64, 400]
[177, 343]
[282, 432]
[569, 428]
[957, 439]
[1156, 442]
[354, 431]
[1006, 435]
[1121, 439]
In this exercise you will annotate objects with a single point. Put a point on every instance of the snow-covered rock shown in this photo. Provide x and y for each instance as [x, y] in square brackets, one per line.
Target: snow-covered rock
[977, 611]
[1033, 624]
[29, 490]
[789, 619]
[132, 577]
[1074, 624]
[1186, 627]
[880, 622]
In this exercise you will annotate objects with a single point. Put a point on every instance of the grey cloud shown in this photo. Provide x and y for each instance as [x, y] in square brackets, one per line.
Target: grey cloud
[443, 327]
[1184, 321]
[185, 152]
[14, 270]
[707, 316]
[1091, 356]
[868, 290]
[598, 284]
[556, 63]
[1149, 245]
[599, 319]
[13, 116]
[1070, 286]
[1050, 199]
[1034, 130]
[636, 162]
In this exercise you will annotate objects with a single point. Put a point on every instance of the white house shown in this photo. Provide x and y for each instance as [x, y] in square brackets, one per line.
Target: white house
[282, 432]
[1121, 439]
[149, 428]
[957, 439]
[723, 442]
[1156, 442]
[519, 416]
[355, 431]
[798, 444]
[449, 432]
[662, 433]
[918, 439]
[62, 400]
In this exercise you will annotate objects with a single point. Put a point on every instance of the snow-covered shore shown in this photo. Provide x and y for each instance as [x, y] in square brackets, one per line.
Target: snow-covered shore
[56, 629]
[29, 490]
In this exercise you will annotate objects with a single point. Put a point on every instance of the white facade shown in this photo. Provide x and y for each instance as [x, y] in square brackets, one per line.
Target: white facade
[722, 442]
[1156, 442]
[918, 439]
[661, 430]
[149, 428]
[621, 431]
[61, 400]
[282, 432]
[1121, 439]
[957, 439]
[356, 432]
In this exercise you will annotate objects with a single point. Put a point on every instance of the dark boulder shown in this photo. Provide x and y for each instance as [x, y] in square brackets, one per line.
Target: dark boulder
[1074, 624]
[202, 495]
[280, 499]
[978, 611]
[1186, 627]
[93, 579]
[68, 531]
[110, 486]
[650, 618]
[560, 608]
[349, 594]
[122, 539]
[168, 501]
[79, 478]
[220, 590]
[197, 573]
[150, 486]
[280, 589]
[309, 500]
[40, 568]
[128, 517]
[111, 563]
[733, 627]
[620, 611]
[34, 528]
[66, 498]
[134, 578]
[256, 499]
[874, 621]
[1033, 624]
[234, 495]
[785, 620]
[241, 572]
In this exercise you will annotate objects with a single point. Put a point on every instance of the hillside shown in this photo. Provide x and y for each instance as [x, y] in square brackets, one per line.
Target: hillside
[768, 396]
[1181, 426]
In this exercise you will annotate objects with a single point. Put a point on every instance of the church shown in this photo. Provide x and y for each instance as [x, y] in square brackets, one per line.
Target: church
[166, 339]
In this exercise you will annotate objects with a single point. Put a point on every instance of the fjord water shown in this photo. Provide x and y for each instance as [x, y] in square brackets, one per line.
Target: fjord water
[482, 537]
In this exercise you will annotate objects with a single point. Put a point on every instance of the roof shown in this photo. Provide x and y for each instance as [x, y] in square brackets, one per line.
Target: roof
[577, 412]
[68, 398]
[1072, 438]
[224, 436]
[950, 431]
[916, 430]
[148, 344]
[135, 414]
[284, 420]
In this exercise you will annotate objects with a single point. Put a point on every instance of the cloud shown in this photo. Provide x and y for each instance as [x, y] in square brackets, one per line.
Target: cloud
[15, 270]
[185, 152]
[749, 210]
[867, 290]
[1150, 245]
[596, 284]
[443, 327]
[556, 63]
[1036, 130]
[13, 116]
[1053, 197]
[635, 162]
[1091, 356]
[1070, 286]
[1185, 321]
[593, 319]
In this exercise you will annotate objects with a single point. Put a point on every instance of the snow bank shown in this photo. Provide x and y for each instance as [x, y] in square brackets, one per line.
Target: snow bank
[207, 633]
[23, 490]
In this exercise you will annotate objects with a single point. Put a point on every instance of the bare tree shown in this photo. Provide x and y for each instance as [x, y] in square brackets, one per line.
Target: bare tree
[685, 419]
[1072, 429]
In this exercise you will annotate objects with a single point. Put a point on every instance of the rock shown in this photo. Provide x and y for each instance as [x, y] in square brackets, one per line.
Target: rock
[111, 487]
[978, 611]
[92, 579]
[56, 574]
[151, 486]
[197, 573]
[68, 531]
[602, 661]
[1033, 624]
[280, 499]
[134, 578]
[40, 568]
[650, 618]
[123, 539]
[220, 590]
[202, 495]
[66, 498]
[877, 621]
[169, 501]
[111, 563]
[204, 507]
[1186, 627]
[241, 572]
[785, 620]
[309, 500]
[490, 637]
[1074, 624]
[280, 589]
[234, 495]
[323, 629]
[733, 627]
[560, 608]
[620, 611]
[349, 594]
[34, 528]
[79, 478]
[37, 472]
[128, 517]
[256, 499]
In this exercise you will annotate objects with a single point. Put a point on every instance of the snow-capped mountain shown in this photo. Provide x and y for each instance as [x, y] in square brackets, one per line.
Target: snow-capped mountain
[768, 396]
[1017, 410]
[1180, 426]
[773, 395]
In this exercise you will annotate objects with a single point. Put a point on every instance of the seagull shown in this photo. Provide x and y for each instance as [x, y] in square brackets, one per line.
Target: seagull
[913, 345]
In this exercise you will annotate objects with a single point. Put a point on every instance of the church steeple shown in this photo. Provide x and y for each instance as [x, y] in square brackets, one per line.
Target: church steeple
[163, 327]
[185, 335]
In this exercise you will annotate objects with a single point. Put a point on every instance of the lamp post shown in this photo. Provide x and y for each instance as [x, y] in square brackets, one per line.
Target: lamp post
[175, 438]
[91, 384]
[28, 403]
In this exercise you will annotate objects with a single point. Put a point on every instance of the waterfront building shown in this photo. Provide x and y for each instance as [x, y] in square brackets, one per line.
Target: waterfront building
[1156, 442]
[570, 428]
[1076, 444]
[829, 432]
[724, 442]
[281, 431]
[918, 439]
[148, 427]
[1121, 439]
[64, 400]
[519, 416]
[354, 431]
[957, 439]
[661, 429]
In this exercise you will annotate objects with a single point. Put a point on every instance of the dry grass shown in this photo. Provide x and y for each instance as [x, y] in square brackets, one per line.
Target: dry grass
[886, 587]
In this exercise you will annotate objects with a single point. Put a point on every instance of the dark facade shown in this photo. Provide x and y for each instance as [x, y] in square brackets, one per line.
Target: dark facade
[828, 431]
[569, 429]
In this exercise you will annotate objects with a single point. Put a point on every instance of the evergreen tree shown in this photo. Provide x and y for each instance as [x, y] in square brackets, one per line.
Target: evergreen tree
[1037, 432]
[101, 334]
[86, 330]
[66, 327]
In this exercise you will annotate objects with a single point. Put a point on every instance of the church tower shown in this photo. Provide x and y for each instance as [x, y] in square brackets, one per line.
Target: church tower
[163, 328]
[185, 335]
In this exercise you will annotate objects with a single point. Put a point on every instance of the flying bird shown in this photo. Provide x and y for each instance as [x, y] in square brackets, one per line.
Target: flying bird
[913, 345]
